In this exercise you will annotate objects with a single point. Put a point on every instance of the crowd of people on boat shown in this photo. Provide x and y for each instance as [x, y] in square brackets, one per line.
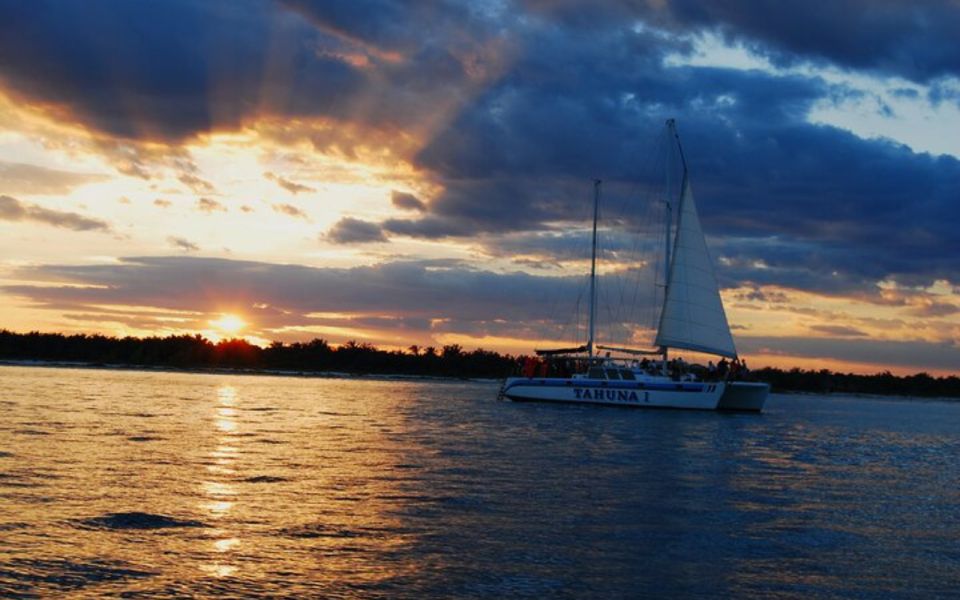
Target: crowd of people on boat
[677, 368]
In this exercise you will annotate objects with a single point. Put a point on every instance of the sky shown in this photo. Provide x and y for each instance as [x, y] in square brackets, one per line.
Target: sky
[406, 173]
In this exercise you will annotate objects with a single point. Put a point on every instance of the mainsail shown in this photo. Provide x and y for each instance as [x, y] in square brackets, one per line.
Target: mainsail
[693, 316]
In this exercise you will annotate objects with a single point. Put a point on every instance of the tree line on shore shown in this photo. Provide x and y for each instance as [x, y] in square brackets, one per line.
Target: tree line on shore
[197, 352]
[317, 356]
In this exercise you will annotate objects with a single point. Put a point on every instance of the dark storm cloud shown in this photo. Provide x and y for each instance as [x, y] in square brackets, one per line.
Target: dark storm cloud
[12, 209]
[473, 204]
[355, 231]
[167, 70]
[916, 40]
[170, 70]
[849, 211]
[406, 201]
[387, 24]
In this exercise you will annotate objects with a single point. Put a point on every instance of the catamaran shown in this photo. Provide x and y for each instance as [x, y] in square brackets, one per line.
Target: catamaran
[691, 318]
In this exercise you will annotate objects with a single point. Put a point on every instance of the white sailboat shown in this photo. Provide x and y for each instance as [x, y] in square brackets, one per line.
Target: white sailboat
[691, 318]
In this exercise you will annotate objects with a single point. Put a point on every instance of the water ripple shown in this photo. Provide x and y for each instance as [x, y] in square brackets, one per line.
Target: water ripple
[136, 520]
[22, 577]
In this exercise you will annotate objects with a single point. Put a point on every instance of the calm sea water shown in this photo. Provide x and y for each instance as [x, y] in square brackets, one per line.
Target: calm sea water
[162, 484]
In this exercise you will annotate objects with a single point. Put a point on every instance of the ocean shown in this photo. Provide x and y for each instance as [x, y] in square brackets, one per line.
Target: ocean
[157, 484]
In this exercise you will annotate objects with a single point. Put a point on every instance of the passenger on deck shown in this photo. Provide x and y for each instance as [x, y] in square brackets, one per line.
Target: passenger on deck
[722, 367]
[735, 369]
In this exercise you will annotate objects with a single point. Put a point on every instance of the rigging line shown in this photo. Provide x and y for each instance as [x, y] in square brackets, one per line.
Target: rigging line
[573, 319]
[648, 239]
[629, 242]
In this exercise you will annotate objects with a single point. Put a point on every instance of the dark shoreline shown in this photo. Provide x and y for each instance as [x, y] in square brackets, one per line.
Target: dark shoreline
[388, 377]
[318, 358]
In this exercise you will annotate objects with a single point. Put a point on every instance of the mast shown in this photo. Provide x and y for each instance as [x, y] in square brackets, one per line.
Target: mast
[672, 131]
[692, 317]
[593, 266]
[666, 258]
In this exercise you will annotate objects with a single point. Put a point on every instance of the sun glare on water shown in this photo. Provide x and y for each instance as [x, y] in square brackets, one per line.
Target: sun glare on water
[228, 323]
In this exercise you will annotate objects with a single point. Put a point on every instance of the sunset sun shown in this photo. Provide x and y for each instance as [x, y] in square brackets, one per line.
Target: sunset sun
[228, 323]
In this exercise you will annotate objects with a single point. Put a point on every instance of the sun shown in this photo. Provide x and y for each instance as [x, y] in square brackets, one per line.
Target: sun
[228, 323]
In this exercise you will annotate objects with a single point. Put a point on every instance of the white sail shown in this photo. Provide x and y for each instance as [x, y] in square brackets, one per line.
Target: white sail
[693, 316]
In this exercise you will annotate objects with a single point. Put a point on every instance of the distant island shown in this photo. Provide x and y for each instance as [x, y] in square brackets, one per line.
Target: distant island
[195, 352]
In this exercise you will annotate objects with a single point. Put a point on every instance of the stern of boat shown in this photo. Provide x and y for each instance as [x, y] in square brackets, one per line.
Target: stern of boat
[744, 396]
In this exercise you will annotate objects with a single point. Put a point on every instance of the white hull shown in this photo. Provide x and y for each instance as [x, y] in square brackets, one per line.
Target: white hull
[744, 396]
[641, 394]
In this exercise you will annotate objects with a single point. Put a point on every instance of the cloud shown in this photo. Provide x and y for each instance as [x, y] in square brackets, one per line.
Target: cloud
[423, 299]
[520, 157]
[196, 184]
[209, 206]
[507, 111]
[934, 308]
[162, 203]
[838, 330]
[182, 68]
[189, 67]
[383, 24]
[25, 179]
[12, 209]
[355, 231]
[182, 244]
[910, 354]
[290, 210]
[470, 300]
[472, 203]
[763, 295]
[406, 201]
[290, 186]
[912, 40]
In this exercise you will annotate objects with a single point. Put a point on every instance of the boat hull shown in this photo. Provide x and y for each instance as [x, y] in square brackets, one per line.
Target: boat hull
[744, 396]
[637, 394]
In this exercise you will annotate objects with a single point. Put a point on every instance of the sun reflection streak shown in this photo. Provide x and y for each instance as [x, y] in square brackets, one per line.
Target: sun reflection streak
[226, 544]
[226, 425]
[218, 508]
[220, 496]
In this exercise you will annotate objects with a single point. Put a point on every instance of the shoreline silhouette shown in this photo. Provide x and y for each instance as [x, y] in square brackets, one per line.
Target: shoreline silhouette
[318, 358]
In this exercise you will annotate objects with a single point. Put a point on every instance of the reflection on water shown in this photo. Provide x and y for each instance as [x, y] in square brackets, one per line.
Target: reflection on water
[220, 494]
[164, 484]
